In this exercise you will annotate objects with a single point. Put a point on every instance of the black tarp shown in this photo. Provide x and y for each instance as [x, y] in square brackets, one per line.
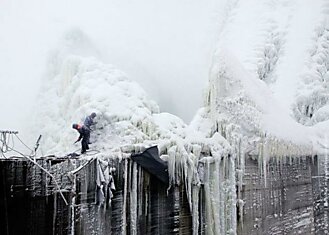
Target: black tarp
[150, 161]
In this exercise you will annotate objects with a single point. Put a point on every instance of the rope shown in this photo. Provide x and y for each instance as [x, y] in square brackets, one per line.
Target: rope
[6, 148]
[5, 139]
[24, 143]
[47, 172]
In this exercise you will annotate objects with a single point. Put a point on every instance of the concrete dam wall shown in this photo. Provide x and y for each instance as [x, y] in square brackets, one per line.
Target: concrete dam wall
[291, 199]
[286, 196]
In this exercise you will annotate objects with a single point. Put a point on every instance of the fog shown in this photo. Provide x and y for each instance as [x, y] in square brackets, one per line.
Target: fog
[166, 46]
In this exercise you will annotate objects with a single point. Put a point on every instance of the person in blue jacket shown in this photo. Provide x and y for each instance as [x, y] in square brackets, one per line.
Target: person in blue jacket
[84, 135]
[89, 121]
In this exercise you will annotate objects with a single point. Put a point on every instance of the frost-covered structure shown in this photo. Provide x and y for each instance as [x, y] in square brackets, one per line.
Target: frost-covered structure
[247, 117]
[127, 122]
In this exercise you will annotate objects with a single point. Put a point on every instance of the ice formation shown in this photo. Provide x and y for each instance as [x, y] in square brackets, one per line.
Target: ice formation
[312, 103]
[242, 114]
[127, 121]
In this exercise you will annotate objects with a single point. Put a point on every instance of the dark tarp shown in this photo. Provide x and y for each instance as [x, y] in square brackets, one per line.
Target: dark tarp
[152, 163]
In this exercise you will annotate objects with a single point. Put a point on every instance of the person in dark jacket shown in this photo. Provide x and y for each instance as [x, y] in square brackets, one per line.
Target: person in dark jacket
[84, 135]
[89, 121]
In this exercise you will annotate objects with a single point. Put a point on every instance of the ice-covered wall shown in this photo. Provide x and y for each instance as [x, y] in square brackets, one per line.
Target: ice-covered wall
[111, 195]
[291, 200]
[250, 98]
[280, 203]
